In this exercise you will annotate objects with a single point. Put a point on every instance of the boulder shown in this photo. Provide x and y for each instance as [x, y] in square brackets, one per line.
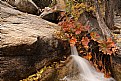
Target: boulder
[56, 72]
[27, 44]
[11, 2]
[42, 3]
[50, 3]
[55, 13]
[116, 68]
[27, 6]
[6, 11]
[54, 16]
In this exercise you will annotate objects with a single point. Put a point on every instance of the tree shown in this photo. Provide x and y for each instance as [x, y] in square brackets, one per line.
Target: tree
[109, 13]
[105, 30]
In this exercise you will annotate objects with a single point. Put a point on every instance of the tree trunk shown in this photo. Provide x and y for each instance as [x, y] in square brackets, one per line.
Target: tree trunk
[109, 14]
[105, 30]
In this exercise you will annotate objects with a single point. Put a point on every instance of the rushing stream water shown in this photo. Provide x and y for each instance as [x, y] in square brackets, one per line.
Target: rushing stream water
[86, 72]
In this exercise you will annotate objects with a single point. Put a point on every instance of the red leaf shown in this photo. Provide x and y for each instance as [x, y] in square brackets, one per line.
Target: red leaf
[85, 41]
[78, 31]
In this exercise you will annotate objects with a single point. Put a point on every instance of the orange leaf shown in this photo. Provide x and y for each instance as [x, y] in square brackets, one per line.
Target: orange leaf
[107, 47]
[110, 42]
[73, 41]
[107, 75]
[94, 35]
[88, 56]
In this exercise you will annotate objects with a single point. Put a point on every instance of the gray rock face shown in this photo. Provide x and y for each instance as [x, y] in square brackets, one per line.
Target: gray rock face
[27, 44]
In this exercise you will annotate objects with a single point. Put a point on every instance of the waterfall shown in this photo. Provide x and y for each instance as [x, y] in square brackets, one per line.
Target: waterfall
[86, 72]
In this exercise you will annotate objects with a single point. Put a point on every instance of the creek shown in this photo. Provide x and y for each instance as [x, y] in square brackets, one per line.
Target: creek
[83, 70]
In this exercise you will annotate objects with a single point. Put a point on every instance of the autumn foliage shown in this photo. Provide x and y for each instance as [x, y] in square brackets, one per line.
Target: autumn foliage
[90, 44]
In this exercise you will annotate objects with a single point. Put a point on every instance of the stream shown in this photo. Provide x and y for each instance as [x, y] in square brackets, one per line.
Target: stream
[86, 72]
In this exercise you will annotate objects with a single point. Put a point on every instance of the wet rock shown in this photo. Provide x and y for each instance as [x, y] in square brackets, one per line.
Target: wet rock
[117, 68]
[27, 44]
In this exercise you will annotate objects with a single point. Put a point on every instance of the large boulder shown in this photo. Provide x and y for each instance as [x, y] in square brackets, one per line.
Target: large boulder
[27, 6]
[27, 44]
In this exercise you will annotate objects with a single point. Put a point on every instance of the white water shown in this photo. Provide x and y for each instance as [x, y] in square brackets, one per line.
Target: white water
[86, 71]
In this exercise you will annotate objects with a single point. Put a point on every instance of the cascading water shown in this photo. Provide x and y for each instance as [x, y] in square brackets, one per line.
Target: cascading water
[86, 72]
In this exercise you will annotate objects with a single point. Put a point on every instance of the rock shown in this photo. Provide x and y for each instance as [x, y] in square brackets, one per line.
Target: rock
[55, 72]
[27, 6]
[42, 3]
[88, 19]
[60, 4]
[54, 16]
[7, 11]
[11, 2]
[116, 68]
[27, 44]
[117, 7]
[55, 13]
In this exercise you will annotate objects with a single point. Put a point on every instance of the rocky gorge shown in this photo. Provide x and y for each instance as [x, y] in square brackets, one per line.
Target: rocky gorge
[28, 43]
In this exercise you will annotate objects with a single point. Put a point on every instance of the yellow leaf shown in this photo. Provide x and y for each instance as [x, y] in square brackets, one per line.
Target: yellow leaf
[41, 71]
